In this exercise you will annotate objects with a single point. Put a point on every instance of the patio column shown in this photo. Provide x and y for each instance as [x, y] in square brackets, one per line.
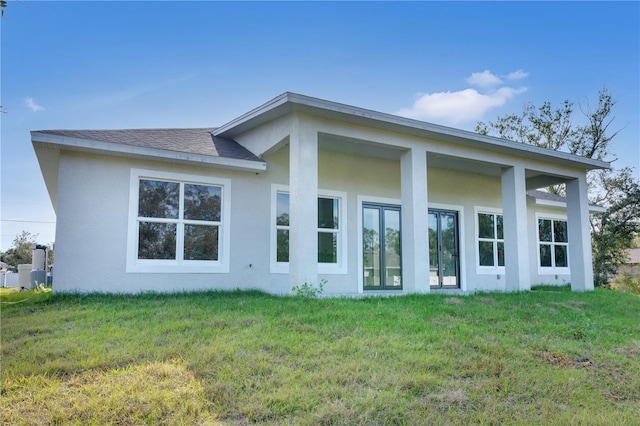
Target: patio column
[303, 204]
[514, 211]
[415, 226]
[580, 258]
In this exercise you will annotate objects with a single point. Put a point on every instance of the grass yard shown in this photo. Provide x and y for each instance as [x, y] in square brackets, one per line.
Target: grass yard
[548, 356]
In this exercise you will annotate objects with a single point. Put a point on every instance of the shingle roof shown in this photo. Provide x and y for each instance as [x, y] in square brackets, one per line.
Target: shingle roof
[543, 195]
[195, 141]
[633, 256]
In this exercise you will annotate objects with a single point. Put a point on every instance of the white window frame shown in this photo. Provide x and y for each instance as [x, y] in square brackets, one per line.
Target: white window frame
[551, 270]
[484, 269]
[135, 265]
[340, 267]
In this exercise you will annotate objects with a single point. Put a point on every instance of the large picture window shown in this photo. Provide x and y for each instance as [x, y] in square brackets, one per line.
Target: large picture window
[329, 227]
[490, 235]
[553, 243]
[176, 224]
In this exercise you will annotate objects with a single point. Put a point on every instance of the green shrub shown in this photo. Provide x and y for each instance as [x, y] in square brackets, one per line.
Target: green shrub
[309, 291]
[628, 282]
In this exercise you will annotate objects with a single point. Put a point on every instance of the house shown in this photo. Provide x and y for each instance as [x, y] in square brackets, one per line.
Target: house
[304, 190]
[631, 263]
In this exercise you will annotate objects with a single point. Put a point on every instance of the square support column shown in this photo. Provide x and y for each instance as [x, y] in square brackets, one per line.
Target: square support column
[303, 204]
[580, 256]
[516, 247]
[415, 225]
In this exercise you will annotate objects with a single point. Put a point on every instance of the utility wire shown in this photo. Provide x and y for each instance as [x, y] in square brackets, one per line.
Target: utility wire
[24, 221]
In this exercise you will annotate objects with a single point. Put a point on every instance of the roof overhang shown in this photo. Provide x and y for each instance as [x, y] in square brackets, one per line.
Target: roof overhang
[593, 208]
[41, 139]
[48, 147]
[288, 102]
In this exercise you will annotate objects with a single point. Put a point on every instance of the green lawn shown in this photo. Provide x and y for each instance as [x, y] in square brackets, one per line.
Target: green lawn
[548, 356]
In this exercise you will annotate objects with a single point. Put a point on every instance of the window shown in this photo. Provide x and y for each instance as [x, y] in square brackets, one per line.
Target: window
[176, 224]
[553, 243]
[490, 234]
[330, 231]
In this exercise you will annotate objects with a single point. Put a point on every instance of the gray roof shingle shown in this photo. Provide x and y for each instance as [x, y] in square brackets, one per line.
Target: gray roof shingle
[543, 195]
[195, 141]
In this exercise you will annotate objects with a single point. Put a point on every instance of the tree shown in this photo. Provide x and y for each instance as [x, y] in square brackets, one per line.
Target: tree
[555, 129]
[20, 251]
[618, 228]
[614, 230]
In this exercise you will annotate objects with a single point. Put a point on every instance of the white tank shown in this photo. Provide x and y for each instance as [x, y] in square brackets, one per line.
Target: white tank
[38, 258]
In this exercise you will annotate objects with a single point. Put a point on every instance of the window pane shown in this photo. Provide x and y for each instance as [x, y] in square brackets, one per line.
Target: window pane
[434, 268]
[500, 254]
[544, 229]
[560, 231]
[327, 247]
[200, 242]
[282, 245]
[202, 202]
[282, 211]
[158, 199]
[485, 225]
[156, 240]
[393, 274]
[500, 227]
[371, 246]
[485, 249]
[545, 255]
[449, 254]
[327, 213]
[561, 256]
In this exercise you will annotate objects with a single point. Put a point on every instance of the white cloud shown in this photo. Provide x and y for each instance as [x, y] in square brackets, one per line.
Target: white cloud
[467, 104]
[454, 107]
[484, 79]
[30, 103]
[517, 75]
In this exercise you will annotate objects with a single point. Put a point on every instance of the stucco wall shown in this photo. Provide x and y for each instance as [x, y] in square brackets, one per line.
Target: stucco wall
[93, 203]
[93, 224]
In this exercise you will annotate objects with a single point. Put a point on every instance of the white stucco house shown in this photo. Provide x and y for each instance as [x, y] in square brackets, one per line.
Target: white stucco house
[303, 190]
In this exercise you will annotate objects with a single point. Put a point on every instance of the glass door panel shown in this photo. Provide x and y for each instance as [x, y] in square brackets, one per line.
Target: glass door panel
[449, 249]
[393, 277]
[434, 270]
[371, 246]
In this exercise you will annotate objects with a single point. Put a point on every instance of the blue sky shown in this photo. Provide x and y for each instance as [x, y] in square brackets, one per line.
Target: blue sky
[97, 65]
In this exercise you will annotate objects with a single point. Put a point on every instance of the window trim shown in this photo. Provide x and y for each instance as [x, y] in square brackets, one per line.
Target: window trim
[551, 270]
[484, 269]
[341, 266]
[135, 265]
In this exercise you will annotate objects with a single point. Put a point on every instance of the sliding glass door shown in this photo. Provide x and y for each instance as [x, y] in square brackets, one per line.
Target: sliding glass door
[381, 245]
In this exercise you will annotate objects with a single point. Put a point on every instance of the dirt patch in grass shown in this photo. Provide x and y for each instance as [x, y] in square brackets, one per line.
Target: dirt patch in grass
[559, 359]
[632, 350]
[454, 301]
[156, 393]
[446, 400]
[570, 304]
